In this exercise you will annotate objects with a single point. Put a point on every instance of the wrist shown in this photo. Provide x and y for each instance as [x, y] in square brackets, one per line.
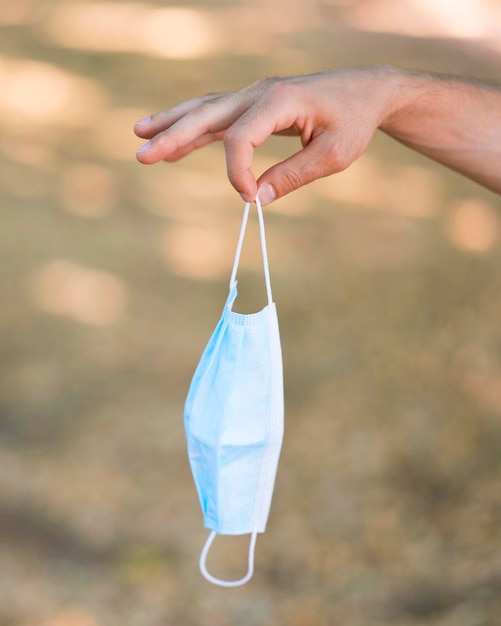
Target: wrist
[401, 90]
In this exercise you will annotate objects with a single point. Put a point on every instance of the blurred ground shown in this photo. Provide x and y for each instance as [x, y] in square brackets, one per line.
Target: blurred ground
[387, 508]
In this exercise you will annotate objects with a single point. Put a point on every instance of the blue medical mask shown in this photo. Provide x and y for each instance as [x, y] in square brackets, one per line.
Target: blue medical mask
[234, 418]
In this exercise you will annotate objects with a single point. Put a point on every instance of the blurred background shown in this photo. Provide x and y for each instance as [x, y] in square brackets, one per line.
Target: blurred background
[387, 508]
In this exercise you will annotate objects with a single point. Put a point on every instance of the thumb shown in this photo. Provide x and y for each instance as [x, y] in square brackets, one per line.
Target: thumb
[321, 157]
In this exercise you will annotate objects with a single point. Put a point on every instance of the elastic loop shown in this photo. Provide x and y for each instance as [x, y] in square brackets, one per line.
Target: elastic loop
[219, 581]
[239, 245]
[263, 248]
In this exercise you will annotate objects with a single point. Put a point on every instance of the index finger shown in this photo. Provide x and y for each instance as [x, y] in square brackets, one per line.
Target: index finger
[209, 118]
[151, 126]
[248, 132]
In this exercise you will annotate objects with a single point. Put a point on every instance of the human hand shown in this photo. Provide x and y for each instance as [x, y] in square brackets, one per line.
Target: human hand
[335, 114]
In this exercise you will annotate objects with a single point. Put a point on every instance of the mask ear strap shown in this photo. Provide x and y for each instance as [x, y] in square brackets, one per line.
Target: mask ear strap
[263, 248]
[264, 251]
[233, 280]
[219, 581]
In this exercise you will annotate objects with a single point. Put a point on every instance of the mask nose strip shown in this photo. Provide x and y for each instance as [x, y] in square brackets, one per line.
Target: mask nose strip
[219, 581]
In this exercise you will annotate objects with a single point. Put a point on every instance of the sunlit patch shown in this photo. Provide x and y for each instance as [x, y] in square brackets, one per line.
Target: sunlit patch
[13, 12]
[197, 252]
[467, 18]
[473, 226]
[362, 183]
[103, 26]
[89, 296]
[239, 21]
[174, 32]
[425, 18]
[409, 191]
[88, 190]
[113, 134]
[178, 33]
[36, 92]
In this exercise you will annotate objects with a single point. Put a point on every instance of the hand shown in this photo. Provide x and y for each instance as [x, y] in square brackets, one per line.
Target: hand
[335, 113]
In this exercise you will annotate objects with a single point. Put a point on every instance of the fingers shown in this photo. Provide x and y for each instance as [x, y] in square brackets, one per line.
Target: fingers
[323, 156]
[151, 126]
[187, 124]
[241, 119]
[259, 122]
[177, 141]
[244, 120]
[191, 147]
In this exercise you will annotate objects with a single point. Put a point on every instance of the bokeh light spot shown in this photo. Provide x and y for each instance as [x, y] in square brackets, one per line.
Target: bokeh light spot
[89, 296]
[467, 18]
[178, 33]
[40, 93]
[13, 12]
[473, 226]
[203, 253]
[424, 18]
[411, 191]
[173, 32]
[103, 26]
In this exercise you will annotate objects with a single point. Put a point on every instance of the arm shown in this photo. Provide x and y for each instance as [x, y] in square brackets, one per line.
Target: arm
[455, 122]
[335, 113]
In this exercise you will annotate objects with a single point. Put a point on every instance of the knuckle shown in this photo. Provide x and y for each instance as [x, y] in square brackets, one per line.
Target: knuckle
[198, 112]
[210, 96]
[263, 84]
[334, 156]
[280, 88]
[273, 87]
[232, 137]
[293, 179]
[215, 99]
[337, 161]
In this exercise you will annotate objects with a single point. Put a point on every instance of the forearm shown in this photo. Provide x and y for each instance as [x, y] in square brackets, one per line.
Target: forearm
[455, 122]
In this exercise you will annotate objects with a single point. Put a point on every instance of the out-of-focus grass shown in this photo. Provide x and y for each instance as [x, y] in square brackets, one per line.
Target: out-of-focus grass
[112, 276]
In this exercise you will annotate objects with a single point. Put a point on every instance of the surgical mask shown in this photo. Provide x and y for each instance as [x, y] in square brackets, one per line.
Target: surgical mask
[234, 418]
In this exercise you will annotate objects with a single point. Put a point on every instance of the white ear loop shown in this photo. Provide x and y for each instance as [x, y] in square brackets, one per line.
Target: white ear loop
[219, 581]
[263, 248]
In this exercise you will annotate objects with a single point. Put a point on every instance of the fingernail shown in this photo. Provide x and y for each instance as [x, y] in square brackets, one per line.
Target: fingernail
[267, 193]
[144, 148]
[245, 197]
[146, 120]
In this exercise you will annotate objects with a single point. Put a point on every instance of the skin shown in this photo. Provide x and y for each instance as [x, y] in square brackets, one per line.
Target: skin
[335, 113]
